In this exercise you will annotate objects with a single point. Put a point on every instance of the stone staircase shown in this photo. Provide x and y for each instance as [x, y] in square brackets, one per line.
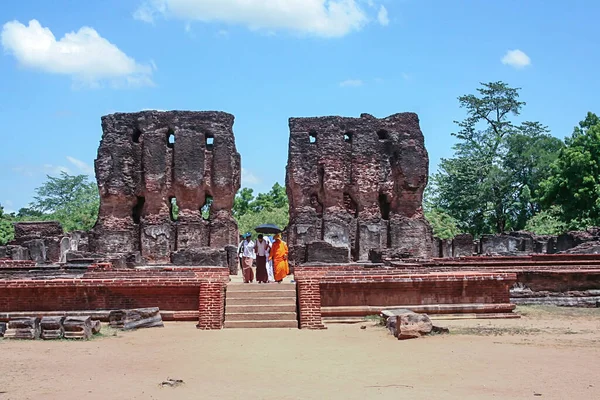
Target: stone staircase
[271, 305]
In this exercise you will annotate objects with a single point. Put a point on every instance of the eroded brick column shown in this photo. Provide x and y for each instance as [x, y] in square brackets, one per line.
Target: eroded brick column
[212, 305]
[309, 298]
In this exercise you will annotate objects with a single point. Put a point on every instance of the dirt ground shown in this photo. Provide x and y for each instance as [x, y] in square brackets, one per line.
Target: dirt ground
[550, 353]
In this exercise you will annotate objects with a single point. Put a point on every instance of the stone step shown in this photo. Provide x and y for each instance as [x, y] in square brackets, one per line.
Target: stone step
[247, 287]
[260, 293]
[262, 324]
[264, 316]
[260, 301]
[253, 308]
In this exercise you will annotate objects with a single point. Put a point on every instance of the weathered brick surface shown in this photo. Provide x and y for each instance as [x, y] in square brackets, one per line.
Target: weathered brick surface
[9, 263]
[145, 160]
[189, 291]
[357, 184]
[351, 285]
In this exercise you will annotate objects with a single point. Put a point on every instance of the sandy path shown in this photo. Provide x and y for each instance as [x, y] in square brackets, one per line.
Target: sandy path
[514, 359]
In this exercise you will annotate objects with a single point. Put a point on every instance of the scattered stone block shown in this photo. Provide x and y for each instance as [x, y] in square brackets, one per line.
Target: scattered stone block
[78, 327]
[23, 328]
[202, 257]
[135, 318]
[327, 253]
[96, 326]
[52, 328]
[406, 324]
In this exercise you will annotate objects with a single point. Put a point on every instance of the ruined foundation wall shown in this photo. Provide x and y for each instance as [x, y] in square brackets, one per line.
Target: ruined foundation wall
[356, 185]
[147, 159]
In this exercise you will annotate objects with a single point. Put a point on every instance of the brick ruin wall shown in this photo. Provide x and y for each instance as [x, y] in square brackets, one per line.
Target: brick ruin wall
[181, 294]
[148, 161]
[518, 244]
[346, 290]
[355, 188]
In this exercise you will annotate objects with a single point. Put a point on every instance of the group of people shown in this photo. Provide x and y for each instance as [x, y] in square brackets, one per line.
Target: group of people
[271, 256]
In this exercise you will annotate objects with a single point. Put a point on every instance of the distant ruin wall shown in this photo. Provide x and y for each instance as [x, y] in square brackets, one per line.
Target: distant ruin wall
[149, 161]
[356, 185]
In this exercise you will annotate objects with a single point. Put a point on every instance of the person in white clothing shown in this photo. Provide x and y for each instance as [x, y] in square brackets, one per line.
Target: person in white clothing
[270, 262]
[246, 251]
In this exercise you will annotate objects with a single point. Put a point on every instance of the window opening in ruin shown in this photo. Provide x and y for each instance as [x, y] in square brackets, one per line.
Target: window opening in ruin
[348, 137]
[383, 134]
[136, 135]
[312, 137]
[170, 139]
[174, 209]
[210, 141]
[206, 208]
[350, 205]
[384, 206]
[136, 211]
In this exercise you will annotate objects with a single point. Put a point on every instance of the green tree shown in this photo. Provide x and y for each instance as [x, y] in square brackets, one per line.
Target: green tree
[265, 208]
[547, 222]
[7, 231]
[528, 161]
[277, 216]
[443, 225]
[71, 200]
[242, 202]
[485, 187]
[275, 198]
[575, 183]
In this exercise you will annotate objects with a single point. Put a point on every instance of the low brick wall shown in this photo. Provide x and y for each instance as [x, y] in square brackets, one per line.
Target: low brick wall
[180, 293]
[344, 287]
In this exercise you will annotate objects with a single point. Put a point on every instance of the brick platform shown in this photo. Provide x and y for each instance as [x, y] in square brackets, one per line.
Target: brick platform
[354, 288]
[178, 292]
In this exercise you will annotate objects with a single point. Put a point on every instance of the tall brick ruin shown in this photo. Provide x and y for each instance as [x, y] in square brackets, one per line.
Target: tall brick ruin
[355, 188]
[148, 161]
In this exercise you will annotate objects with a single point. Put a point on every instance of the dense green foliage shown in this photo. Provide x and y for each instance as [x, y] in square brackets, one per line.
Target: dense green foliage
[266, 208]
[7, 231]
[492, 184]
[70, 199]
[574, 184]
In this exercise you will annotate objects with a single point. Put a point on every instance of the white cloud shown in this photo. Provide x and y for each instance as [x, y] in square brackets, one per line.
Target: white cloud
[516, 58]
[382, 16]
[325, 18]
[84, 55]
[82, 166]
[406, 76]
[351, 83]
[55, 170]
[248, 178]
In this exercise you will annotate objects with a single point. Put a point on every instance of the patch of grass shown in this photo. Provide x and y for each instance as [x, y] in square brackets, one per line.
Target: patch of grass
[376, 319]
[556, 311]
[495, 331]
[106, 332]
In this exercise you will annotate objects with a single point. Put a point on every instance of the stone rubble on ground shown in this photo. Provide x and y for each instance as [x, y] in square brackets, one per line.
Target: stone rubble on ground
[407, 324]
[135, 318]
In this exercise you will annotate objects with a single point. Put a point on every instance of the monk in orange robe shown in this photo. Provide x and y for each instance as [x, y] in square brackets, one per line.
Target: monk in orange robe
[279, 255]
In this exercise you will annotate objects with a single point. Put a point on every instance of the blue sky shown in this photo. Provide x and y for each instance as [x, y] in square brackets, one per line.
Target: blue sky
[265, 61]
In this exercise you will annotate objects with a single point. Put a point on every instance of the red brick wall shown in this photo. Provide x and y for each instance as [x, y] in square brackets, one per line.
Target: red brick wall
[185, 290]
[359, 286]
